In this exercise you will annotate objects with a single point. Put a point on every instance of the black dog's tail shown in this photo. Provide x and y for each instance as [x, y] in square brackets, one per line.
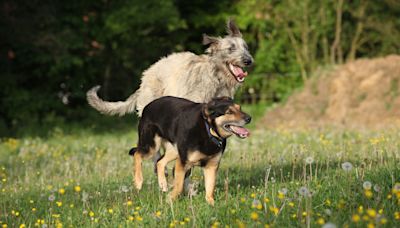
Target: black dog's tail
[133, 151]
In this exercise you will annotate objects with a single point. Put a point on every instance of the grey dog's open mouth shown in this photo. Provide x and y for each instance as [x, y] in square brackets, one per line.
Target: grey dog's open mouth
[238, 72]
[239, 131]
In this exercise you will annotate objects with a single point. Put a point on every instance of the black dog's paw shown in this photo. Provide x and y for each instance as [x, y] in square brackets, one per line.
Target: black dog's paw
[132, 151]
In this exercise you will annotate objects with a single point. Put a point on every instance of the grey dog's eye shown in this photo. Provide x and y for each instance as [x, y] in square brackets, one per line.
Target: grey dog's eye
[232, 48]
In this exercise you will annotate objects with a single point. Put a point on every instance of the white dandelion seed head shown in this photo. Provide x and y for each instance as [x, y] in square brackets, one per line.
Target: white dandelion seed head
[255, 203]
[52, 198]
[328, 212]
[85, 196]
[303, 191]
[347, 166]
[367, 185]
[284, 191]
[272, 180]
[193, 189]
[329, 225]
[124, 189]
[309, 160]
[377, 188]
[44, 225]
[396, 187]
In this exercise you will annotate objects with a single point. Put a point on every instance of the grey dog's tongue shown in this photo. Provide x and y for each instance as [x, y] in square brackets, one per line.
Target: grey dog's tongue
[239, 72]
[240, 131]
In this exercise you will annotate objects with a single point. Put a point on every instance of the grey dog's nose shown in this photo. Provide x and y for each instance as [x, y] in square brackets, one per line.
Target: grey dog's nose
[247, 61]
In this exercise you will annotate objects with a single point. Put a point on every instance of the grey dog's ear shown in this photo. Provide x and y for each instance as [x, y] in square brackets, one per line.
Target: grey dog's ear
[209, 39]
[232, 29]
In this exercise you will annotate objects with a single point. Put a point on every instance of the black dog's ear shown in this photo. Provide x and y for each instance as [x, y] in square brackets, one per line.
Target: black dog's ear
[207, 40]
[232, 29]
[207, 110]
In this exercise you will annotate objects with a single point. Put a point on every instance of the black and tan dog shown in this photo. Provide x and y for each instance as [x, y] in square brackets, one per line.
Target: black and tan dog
[191, 133]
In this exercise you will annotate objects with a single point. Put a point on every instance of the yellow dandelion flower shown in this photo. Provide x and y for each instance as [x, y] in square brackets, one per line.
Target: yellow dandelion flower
[129, 203]
[259, 206]
[291, 204]
[59, 203]
[71, 205]
[233, 211]
[110, 211]
[56, 215]
[365, 218]
[137, 208]
[371, 213]
[266, 200]
[22, 226]
[370, 225]
[4, 225]
[17, 213]
[397, 215]
[294, 216]
[320, 221]
[158, 213]
[34, 209]
[266, 226]
[368, 193]
[380, 211]
[61, 191]
[242, 200]
[328, 202]
[360, 209]
[139, 218]
[187, 219]
[355, 218]
[172, 224]
[383, 221]
[304, 213]
[281, 195]
[254, 216]
[131, 218]
[182, 222]
[274, 210]
[253, 195]
[77, 188]
[389, 196]
[91, 214]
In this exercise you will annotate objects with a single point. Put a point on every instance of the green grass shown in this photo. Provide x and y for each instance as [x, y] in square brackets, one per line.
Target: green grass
[258, 182]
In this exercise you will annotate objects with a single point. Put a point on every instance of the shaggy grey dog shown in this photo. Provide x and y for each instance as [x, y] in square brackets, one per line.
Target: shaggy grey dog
[198, 78]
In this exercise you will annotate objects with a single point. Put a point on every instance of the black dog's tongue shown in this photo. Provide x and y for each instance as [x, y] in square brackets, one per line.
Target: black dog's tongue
[241, 131]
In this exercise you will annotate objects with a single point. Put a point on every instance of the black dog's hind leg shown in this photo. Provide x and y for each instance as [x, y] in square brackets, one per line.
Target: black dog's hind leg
[132, 151]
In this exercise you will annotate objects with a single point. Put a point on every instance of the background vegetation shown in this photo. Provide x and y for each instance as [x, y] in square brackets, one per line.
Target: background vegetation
[53, 51]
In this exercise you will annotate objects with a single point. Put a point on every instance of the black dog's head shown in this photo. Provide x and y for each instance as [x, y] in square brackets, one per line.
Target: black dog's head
[226, 117]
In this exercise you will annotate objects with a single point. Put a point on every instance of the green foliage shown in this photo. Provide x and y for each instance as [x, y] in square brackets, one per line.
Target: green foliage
[53, 52]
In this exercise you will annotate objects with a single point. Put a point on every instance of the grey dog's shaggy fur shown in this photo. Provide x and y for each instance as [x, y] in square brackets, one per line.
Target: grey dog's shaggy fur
[198, 78]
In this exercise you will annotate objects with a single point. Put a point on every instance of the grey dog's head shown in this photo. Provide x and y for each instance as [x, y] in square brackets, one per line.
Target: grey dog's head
[230, 51]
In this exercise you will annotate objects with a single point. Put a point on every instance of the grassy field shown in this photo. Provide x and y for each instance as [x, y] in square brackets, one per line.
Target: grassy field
[275, 178]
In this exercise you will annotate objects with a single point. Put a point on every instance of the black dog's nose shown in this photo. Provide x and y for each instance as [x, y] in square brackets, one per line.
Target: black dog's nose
[247, 118]
[247, 62]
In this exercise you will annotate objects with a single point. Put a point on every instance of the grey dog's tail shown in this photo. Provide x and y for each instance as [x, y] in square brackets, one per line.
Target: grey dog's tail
[111, 108]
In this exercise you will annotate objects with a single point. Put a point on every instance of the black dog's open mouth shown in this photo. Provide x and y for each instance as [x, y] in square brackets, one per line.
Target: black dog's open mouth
[239, 131]
[238, 72]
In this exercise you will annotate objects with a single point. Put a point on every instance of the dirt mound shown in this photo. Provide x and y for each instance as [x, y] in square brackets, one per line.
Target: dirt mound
[363, 93]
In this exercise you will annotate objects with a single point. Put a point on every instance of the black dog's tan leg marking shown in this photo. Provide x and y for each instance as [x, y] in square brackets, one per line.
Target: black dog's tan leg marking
[138, 157]
[180, 170]
[138, 170]
[171, 153]
[210, 176]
